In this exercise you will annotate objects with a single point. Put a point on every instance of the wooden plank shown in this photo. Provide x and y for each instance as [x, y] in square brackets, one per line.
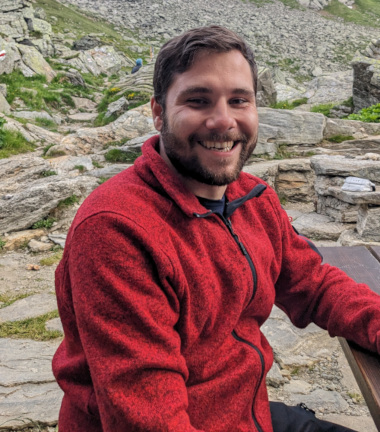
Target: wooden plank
[363, 267]
[357, 262]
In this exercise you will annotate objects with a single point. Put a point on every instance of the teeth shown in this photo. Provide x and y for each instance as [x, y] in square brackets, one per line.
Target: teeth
[222, 146]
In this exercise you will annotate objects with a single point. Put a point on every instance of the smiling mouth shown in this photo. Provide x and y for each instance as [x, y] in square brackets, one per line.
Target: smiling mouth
[224, 146]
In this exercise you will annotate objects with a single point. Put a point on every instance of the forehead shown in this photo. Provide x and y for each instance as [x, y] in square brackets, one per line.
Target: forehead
[226, 70]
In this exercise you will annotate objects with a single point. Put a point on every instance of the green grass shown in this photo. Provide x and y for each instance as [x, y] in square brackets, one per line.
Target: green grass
[44, 223]
[70, 18]
[12, 143]
[340, 138]
[32, 328]
[46, 123]
[53, 259]
[289, 105]
[116, 155]
[2, 243]
[365, 12]
[68, 202]
[55, 95]
[135, 98]
[282, 152]
[48, 173]
[97, 164]
[7, 299]
[323, 108]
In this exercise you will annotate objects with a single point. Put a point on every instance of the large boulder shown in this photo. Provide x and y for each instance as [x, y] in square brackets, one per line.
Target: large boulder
[35, 62]
[366, 86]
[288, 127]
[266, 90]
[13, 25]
[11, 56]
[13, 5]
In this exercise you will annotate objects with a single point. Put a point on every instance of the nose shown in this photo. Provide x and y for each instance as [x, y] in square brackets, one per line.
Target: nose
[220, 118]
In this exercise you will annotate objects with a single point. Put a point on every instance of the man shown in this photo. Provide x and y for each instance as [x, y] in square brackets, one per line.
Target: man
[171, 267]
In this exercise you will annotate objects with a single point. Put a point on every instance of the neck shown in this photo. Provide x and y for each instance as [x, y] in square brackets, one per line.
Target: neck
[197, 188]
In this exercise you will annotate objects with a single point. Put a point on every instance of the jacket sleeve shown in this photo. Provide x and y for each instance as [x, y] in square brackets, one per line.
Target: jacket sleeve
[308, 291]
[126, 312]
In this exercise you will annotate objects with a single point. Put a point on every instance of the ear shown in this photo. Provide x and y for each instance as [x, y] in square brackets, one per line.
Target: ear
[156, 113]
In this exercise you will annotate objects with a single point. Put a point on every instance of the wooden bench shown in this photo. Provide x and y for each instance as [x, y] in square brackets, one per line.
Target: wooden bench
[362, 265]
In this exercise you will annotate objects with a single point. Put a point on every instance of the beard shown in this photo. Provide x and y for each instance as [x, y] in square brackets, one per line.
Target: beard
[192, 167]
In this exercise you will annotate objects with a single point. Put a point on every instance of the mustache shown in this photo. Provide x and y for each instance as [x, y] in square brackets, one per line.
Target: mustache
[215, 137]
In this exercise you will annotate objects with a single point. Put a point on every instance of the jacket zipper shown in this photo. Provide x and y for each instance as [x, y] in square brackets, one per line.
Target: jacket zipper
[238, 338]
[245, 253]
[251, 265]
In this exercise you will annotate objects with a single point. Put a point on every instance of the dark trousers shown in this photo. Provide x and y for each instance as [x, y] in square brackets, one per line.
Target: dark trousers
[300, 419]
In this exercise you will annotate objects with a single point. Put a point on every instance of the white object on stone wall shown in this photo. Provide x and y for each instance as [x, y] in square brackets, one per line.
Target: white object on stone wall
[357, 184]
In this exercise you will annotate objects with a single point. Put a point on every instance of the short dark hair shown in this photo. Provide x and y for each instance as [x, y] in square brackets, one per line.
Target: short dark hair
[178, 54]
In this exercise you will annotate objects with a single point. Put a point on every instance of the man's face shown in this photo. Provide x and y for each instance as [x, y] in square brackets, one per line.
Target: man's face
[209, 126]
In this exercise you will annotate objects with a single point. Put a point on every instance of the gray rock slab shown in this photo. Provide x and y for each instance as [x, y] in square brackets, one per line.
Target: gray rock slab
[294, 127]
[355, 197]
[24, 361]
[346, 166]
[319, 227]
[29, 307]
[32, 115]
[26, 405]
[54, 325]
[59, 239]
[294, 347]
[328, 401]
[108, 172]
[351, 237]
[28, 391]
[83, 116]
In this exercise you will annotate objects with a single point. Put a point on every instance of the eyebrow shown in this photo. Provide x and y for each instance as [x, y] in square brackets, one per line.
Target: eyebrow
[205, 90]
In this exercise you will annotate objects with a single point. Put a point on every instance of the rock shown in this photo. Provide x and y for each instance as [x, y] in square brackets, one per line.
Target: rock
[319, 227]
[54, 325]
[295, 180]
[19, 239]
[33, 115]
[130, 125]
[351, 237]
[29, 307]
[27, 384]
[344, 167]
[266, 91]
[117, 108]
[329, 401]
[334, 87]
[265, 170]
[12, 55]
[109, 171]
[75, 78]
[274, 377]
[86, 43]
[38, 246]
[40, 13]
[84, 103]
[294, 127]
[288, 93]
[42, 134]
[37, 199]
[297, 387]
[69, 163]
[4, 105]
[83, 117]
[34, 60]
[59, 239]
[368, 226]
[349, 127]
[40, 26]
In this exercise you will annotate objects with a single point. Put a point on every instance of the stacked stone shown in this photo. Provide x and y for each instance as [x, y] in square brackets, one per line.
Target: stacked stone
[344, 206]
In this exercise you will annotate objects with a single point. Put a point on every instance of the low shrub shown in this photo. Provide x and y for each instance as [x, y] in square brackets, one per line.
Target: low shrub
[368, 115]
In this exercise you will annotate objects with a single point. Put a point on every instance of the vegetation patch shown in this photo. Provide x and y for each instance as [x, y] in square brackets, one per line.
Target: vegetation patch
[71, 18]
[289, 105]
[116, 155]
[53, 259]
[12, 142]
[340, 138]
[7, 300]
[44, 223]
[323, 109]
[97, 164]
[283, 152]
[365, 12]
[69, 201]
[47, 173]
[32, 328]
[2, 243]
[368, 115]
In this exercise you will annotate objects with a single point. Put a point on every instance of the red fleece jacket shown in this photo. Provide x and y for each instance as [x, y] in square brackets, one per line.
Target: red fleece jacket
[162, 311]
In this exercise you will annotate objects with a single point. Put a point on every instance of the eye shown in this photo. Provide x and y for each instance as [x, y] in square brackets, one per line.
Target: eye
[238, 101]
[197, 101]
